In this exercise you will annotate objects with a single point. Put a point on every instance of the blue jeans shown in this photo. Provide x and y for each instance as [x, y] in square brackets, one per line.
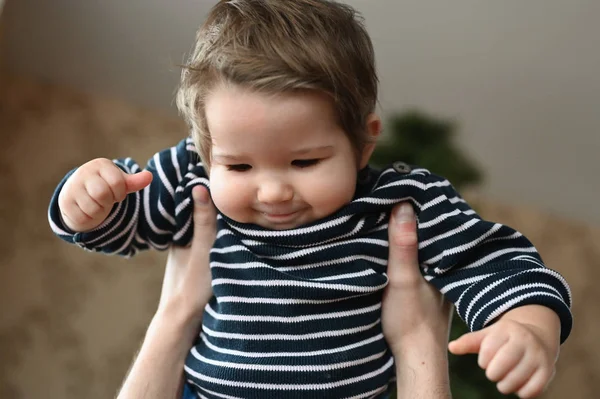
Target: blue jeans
[188, 393]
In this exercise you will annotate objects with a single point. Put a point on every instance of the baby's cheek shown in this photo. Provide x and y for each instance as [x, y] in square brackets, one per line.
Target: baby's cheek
[330, 194]
[229, 196]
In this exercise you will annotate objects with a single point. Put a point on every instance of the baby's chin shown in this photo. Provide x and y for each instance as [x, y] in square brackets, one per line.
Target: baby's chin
[284, 226]
[302, 219]
[295, 222]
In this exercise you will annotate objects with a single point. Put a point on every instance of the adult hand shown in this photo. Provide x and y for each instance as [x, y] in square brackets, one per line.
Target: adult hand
[187, 283]
[157, 372]
[415, 317]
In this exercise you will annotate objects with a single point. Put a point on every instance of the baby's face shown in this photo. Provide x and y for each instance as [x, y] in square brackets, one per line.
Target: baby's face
[278, 161]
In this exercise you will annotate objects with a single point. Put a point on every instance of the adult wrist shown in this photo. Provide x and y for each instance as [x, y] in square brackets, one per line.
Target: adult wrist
[178, 318]
[423, 373]
[425, 341]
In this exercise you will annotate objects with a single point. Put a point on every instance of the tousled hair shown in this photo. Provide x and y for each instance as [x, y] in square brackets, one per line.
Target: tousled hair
[276, 46]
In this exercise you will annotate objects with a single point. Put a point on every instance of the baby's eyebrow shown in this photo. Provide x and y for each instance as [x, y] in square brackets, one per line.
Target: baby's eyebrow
[310, 149]
[226, 156]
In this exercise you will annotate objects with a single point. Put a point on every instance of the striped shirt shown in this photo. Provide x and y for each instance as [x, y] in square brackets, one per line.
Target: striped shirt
[296, 313]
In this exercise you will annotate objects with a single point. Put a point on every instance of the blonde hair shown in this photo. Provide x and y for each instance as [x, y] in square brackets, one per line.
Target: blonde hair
[280, 46]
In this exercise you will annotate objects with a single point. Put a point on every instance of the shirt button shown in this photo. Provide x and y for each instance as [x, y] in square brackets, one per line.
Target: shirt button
[401, 167]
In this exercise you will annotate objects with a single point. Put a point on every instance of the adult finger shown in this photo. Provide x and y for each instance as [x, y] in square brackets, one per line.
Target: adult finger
[205, 222]
[403, 256]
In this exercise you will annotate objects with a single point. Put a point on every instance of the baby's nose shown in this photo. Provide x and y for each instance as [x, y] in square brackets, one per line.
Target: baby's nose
[275, 191]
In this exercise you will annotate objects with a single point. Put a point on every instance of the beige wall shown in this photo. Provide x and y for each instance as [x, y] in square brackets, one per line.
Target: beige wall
[70, 321]
[520, 76]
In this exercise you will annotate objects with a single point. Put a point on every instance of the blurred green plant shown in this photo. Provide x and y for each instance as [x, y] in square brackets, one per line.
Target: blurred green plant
[427, 141]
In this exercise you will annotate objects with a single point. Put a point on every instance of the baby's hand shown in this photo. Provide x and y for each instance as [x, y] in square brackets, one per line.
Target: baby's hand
[90, 193]
[513, 354]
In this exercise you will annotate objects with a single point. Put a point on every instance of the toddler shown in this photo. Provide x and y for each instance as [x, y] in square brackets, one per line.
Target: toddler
[280, 97]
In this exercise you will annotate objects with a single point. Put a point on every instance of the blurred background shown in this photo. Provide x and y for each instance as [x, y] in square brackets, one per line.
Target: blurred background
[516, 81]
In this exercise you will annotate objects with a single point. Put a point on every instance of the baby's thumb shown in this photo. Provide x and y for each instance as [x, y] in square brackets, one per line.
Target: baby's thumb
[137, 181]
[467, 343]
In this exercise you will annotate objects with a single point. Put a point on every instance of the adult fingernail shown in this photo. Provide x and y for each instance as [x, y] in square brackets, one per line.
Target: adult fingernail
[404, 213]
[200, 195]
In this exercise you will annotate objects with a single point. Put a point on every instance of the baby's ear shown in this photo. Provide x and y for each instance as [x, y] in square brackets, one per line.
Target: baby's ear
[373, 129]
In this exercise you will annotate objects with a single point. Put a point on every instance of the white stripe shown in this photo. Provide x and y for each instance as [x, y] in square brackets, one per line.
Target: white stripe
[511, 291]
[502, 309]
[163, 178]
[529, 258]
[198, 180]
[294, 283]
[290, 337]
[461, 248]
[288, 368]
[183, 230]
[148, 214]
[439, 219]
[370, 394]
[311, 250]
[466, 281]
[278, 301]
[290, 319]
[347, 259]
[182, 205]
[460, 229]
[240, 266]
[497, 254]
[56, 229]
[347, 275]
[355, 229]
[175, 163]
[388, 201]
[436, 201]
[220, 395]
[292, 387]
[364, 342]
[415, 183]
[164, 213]
[259, 265]
[229, 249]
[385, 172]
[294, 232]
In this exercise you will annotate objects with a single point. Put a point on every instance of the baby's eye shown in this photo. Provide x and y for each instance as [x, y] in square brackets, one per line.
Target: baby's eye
[305, 163]
[242, 167]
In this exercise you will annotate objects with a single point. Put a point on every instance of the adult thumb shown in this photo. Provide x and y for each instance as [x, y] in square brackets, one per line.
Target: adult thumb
[137, 181]
[403, 241]
[204, 216]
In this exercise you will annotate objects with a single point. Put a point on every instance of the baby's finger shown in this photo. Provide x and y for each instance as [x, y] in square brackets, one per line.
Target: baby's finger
[89, 206]
[99, 190]
[115, 178]
[468, 343]
[489, 347]
[72, 215]
[505, 360]
[536, 384]
[517, 377]
[137, 181]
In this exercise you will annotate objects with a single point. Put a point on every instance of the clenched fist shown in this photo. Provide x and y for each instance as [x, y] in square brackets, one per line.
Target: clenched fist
[514, 355]
[90, 193]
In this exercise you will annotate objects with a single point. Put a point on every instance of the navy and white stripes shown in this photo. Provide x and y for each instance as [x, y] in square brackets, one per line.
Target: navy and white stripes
[296, 313]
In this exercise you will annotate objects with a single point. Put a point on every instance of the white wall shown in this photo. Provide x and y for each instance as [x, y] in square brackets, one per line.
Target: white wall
[522, 77]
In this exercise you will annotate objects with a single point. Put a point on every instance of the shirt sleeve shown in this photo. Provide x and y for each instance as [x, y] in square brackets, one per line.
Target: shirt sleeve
[155, 217]
[484, 268]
